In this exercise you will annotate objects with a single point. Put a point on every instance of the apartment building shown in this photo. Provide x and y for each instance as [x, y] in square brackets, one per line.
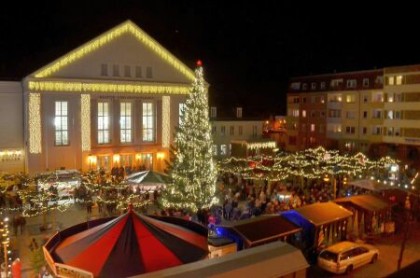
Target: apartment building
[236, 135]
[374, 111]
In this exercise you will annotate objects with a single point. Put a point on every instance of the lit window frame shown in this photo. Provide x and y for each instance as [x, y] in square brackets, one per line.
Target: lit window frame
[104, 122]
[61, 123]
[126, 122]
[148, 121]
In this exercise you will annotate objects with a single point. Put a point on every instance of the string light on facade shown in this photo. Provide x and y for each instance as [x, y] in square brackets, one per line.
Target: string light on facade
[261, 145]
[134, 88]
[85, 121]
[35, 145]
[166, 116]
[127, 27]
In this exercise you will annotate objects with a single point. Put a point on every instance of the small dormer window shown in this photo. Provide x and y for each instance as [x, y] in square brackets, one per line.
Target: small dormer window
[238, 112]
[313, 86]
[365, 82]
[322, 85]
[213, 112]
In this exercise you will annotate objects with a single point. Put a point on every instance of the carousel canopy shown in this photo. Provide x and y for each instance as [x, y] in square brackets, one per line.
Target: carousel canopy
[129, 245]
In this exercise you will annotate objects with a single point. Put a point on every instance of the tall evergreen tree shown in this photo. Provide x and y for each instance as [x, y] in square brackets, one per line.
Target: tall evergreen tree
[191, 170]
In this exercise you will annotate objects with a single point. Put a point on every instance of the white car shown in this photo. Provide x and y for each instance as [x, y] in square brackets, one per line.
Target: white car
[345, 256]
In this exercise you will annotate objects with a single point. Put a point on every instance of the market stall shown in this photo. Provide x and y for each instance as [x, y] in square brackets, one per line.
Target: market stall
[322, 223]
[373, 210]
[259, 230]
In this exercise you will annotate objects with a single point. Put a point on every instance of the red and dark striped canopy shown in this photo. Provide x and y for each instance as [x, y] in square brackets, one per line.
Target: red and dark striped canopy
[129, 245]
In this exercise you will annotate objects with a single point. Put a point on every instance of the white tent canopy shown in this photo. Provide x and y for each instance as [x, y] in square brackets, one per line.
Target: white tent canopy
[147, 180]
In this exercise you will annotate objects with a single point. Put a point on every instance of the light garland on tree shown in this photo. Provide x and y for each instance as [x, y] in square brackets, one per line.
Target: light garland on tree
[192, 172]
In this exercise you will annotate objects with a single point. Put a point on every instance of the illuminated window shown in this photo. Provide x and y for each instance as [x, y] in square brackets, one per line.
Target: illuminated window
[103, 123]
[61, 123]
[391, 80]
[399, 79]
[148, 122]
[126, 122]
[312, 127]
[126, 160]
[304, 113]
[350, 98]
[181, 109]
[223, 149]
[214, 148]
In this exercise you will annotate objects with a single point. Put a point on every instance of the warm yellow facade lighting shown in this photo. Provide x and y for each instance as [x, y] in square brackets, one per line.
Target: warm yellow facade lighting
[35, 145]
[85, 121]
[116, 158]
[107, 88]
[160, 155]
[166, 119]
[127, 27]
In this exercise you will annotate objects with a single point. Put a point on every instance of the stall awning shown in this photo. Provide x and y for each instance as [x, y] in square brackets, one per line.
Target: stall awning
[367, 202]
[277, 259]
[323, 213]
[262, 229]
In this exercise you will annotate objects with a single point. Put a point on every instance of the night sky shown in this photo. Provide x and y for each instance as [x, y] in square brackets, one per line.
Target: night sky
[249, 49]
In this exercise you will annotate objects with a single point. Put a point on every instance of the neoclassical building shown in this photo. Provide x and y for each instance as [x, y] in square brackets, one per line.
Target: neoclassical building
[113, 101]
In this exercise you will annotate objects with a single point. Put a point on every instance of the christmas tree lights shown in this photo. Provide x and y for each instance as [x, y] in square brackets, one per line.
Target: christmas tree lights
[192, 171]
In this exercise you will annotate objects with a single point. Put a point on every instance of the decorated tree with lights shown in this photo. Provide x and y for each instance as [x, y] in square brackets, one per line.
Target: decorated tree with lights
[191, 170]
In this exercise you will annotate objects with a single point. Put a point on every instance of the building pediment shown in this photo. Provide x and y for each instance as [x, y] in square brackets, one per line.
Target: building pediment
[125, 54]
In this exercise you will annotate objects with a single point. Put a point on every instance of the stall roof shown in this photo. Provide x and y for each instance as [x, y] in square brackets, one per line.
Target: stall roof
[366, 202]
[323, 213]
[276, 259]
[262, 229]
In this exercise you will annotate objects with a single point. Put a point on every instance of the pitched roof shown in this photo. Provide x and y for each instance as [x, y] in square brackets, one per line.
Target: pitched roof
[125, 27]
[366, 202]
[263, 229]
[323, 213]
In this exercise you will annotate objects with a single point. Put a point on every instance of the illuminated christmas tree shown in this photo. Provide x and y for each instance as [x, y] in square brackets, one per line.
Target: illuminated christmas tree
[191, 168]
